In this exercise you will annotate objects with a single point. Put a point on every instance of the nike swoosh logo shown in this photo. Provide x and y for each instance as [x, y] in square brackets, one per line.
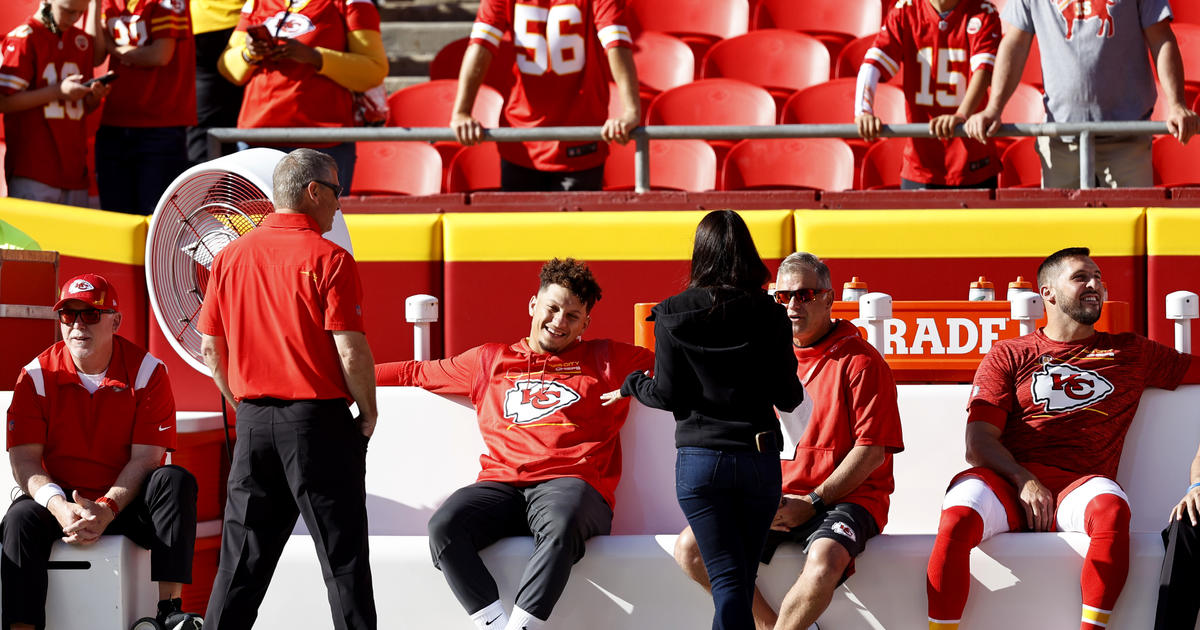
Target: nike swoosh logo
[164, 428]
[491, 621]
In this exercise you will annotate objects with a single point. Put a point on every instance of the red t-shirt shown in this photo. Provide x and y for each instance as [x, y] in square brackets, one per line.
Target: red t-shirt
[292, 94]
[274, 295]
[540, 414]
[48, 143]
[561, 72]
[151, 97]
[854, 404]
[87, 437]
[938, 63]
[1070, 404]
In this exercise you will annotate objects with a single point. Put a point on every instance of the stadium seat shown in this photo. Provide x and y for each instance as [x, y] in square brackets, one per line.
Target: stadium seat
[430, 104]
[14, 12]
[663, 61]
[397, 168]
[833, 102]
[881, 165]
[812, 163]
[1185, 12]
[1025, 105]
[1176, 164]
[3, 180]
[448, 61]
[1022, 166]
[1032, 74]
[780, 61]
[699, 23]
[474, 168]
[834, 22]
[689, 165]
[1188, 36]
[615, 108]
[713, 102]
[850, 58]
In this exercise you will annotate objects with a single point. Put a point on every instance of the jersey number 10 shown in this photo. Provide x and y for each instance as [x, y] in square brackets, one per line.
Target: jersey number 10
[538, 31]
[58, 109]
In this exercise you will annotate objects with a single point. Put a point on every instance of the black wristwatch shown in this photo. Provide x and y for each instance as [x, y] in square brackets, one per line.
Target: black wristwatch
[817, 502]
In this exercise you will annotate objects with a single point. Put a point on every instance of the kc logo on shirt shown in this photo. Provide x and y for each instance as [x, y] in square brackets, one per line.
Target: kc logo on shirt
[1062, 387]
[530, 401]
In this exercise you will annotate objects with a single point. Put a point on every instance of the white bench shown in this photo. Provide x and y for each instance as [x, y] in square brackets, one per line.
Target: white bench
[427, 446]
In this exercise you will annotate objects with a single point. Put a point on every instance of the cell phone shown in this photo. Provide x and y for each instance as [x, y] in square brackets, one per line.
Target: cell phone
[260, 33]
[105, 79]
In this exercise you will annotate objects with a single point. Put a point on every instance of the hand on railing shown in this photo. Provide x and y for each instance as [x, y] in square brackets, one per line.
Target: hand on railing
[1183, 123]
[869, 126]
[466, 129]
[982, 125]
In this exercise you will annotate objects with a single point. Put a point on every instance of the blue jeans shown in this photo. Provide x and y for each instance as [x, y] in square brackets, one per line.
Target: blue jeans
[729, 500]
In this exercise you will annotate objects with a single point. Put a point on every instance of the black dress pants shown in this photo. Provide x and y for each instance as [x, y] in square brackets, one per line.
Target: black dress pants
[561, 514]
[294, 458]
[1179, 586]
[161, 519]
[218, 102]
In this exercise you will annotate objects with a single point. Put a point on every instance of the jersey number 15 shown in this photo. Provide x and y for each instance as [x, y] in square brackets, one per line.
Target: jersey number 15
[541, 44]
[956, 81]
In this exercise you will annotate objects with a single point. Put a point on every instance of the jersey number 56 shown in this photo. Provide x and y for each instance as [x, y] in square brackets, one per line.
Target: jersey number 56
[541, 43]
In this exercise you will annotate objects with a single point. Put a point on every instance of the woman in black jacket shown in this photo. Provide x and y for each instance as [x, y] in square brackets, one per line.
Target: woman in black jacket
[723, 359]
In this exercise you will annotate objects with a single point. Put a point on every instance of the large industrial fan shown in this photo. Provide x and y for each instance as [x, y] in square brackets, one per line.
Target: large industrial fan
[203, 210]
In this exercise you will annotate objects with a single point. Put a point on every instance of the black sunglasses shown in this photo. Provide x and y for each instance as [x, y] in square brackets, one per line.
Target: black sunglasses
[801, 295]
[89, 316]
[337, 190]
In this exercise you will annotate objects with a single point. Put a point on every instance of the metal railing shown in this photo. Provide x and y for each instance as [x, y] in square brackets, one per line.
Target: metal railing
[1085, 132]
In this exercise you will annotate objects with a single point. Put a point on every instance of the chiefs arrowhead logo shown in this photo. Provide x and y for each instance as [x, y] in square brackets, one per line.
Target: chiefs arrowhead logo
[80, 286]
[844, 530]
[529, 401]
[1062, 387]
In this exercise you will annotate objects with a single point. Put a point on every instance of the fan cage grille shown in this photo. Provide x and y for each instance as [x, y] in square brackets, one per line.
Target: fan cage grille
[205, 210]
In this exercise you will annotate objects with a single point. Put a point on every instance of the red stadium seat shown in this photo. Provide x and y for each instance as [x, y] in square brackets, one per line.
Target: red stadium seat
[1033, 66]
[1185, 12]
[1188, 36]
[1022, 166]
[689, 165]
[778, 60]
[430, 104]
[699, 23]
[881, 165]
[1176, 164]
[397, 168]
[663, 61]
[474, 168]
[713, 102]
[13, 13]
[813, 163]
[834, 22]
[3, 180]
[850, 58]
[1025, 105]
[833, 102]
[448, 62]
[615, 108]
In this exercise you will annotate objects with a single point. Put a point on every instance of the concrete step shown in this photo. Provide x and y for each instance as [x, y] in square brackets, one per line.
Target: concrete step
[414, 64]
[391, 84]
[427, 11]
[403, 39]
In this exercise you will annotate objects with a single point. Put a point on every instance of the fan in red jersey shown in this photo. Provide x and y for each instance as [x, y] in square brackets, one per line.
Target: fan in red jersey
[46, 63]
[301, 61]
[947, 48]
[554, 452]
[143, 129]
[1047, 421]
[559, 82]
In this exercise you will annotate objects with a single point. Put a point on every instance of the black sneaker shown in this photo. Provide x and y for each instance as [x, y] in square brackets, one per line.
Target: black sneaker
[171, 616]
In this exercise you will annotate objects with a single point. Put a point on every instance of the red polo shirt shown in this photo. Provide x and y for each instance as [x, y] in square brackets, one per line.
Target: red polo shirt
[274, 295]
[87, 437]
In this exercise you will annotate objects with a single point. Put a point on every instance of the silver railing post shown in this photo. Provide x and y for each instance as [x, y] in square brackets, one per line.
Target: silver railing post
[1087, 160]
[641, 163]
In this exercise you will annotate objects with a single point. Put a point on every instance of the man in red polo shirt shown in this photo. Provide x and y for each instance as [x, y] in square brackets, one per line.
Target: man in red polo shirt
[90, 421]
[837, 482]
[554, 450]
[282, 328]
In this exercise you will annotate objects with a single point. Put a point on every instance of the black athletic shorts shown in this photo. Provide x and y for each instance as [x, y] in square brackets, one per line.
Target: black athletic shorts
[850, 524]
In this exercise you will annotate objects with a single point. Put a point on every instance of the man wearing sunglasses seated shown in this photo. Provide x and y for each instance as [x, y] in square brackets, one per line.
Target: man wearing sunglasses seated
[90, 421]
[837, 482]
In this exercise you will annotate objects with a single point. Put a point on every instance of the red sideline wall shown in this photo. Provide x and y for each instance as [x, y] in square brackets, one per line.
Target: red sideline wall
[492, 263]
[1172, 264]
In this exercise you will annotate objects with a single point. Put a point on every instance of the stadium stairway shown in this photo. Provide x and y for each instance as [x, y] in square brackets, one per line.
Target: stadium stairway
[415, 30]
